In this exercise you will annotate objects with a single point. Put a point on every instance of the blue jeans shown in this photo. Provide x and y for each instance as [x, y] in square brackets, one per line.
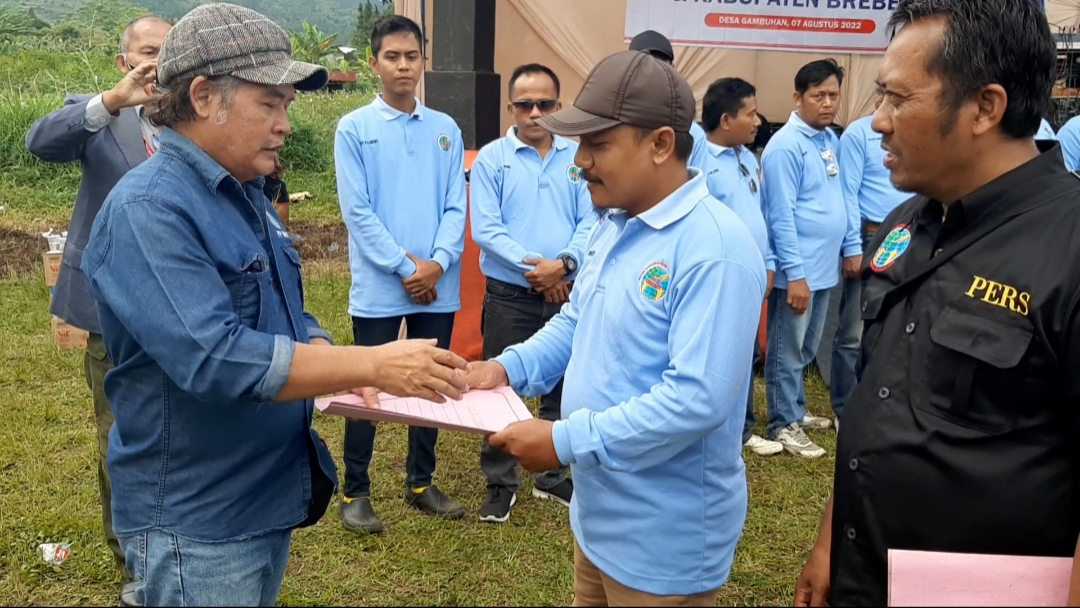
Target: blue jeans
[847, 344]
[792, 341]
[175, 571]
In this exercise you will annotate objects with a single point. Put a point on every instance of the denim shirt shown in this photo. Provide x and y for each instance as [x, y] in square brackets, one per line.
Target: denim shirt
[201, 305]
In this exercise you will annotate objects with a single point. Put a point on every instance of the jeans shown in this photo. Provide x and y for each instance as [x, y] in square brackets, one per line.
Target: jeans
[748, 425]
[360, 434]
[96, 364]
[792, 341]
[171, 570]
[847, 344]
[511, 315]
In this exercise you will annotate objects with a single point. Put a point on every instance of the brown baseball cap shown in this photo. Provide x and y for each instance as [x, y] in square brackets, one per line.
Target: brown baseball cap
[627, 88]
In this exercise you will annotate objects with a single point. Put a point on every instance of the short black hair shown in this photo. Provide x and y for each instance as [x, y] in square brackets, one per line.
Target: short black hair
[986, 42]
[533, 68]
[725, 96]
[394, 24]
[817, 72]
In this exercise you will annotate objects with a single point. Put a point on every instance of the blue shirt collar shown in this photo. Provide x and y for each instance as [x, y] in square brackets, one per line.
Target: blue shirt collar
[558, 143]
[195, 157]
[804, 128]
[389, 113]
[678, 204]
[717, 150]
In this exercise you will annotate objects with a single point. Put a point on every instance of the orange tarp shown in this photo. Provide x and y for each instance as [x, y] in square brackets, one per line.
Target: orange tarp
[467, 340]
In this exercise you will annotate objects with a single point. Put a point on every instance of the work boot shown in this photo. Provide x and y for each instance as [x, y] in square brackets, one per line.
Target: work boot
[357, 515]
[432, 501]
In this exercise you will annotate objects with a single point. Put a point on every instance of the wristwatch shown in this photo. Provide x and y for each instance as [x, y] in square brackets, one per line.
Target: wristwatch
[569, 263]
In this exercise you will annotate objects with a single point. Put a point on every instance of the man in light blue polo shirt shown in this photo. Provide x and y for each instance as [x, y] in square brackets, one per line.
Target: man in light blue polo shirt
[655, 344]
[810, 227]
[729, 114]
[867, 187]
[1069, 136]
[1045, 131]
[531, 215]
[401, 185]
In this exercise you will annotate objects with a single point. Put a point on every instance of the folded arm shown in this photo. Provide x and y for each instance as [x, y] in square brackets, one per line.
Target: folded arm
[450, 237]
[852, 164]
[586, 219]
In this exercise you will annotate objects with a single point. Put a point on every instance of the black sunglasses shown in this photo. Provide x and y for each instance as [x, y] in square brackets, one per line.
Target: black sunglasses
[526, 105]
[746, 173]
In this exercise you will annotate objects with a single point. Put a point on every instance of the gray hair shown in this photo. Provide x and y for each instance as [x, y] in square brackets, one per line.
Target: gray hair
[173, 104]
[125, 37]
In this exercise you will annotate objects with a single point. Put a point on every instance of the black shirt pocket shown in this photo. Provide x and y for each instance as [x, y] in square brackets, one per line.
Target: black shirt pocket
[976, 366]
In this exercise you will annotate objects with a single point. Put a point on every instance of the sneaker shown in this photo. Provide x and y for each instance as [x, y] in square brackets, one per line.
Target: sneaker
[432, 501]
[561, 492]
[815, 422]
[795, 441]
[357, 515]
[128, 596]
[500, 500]
[763, 447]
[837, 426]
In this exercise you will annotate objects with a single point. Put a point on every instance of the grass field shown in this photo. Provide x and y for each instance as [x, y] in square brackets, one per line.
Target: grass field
[48, 487]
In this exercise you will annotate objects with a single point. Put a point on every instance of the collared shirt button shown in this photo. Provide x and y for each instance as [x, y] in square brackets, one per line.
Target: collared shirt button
[910, 328]
[612, 261]
[854, 464]
[883, 393]
[851, 533]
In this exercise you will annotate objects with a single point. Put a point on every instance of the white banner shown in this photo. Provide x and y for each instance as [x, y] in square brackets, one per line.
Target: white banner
[816, 26]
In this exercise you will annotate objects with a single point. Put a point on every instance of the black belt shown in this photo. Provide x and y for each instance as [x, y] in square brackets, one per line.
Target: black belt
[529, 291]
[870, 226]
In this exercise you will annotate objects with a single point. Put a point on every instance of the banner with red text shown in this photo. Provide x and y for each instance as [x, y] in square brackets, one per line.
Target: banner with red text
[816, 26]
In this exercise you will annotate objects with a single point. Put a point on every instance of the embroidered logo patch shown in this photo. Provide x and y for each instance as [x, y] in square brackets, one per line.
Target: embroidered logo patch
[573, 173]
[654, 281]
[890, 250]
[444, 142]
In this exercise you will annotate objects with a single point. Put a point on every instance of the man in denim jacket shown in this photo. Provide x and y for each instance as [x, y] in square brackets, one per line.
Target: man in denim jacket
[213, 458]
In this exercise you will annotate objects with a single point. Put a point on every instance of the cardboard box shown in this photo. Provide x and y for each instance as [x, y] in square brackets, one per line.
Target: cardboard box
[67, 337]
[52, 261]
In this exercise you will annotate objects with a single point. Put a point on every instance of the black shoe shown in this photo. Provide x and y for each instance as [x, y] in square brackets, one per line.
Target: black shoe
[434, 502]
[499, 502]
[357, 515]
[561, 492]
[127, 594]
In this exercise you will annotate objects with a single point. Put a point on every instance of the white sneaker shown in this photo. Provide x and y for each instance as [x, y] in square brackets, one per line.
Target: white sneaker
[812, 422]
[763, 447]
[795, 441]
[837, 425]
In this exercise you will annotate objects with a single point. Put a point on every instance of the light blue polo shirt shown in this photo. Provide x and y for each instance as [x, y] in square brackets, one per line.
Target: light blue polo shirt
[734, 178]
[523, 206]
[1045, 131]
[401, 186]
[1069, 136]
[699, 157]
[863, 175]
[656, 345]
[810, 224]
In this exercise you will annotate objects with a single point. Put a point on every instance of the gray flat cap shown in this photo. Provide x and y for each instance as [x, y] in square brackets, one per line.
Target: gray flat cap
[229, 40]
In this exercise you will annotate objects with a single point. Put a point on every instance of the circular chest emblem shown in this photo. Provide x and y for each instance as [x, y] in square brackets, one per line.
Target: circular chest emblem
[444, 142]
[890, 250]
[653, 283]
[573, 173]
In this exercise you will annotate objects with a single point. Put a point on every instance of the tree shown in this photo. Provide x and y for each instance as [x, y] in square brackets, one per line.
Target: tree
[366, 16]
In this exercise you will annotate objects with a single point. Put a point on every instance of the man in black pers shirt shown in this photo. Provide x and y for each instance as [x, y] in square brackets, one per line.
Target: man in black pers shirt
[960, 435]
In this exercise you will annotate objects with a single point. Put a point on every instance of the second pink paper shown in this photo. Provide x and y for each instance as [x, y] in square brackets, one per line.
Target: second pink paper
[923, 578]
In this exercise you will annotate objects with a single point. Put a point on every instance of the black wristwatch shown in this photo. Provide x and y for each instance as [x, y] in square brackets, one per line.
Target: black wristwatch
[569, 263]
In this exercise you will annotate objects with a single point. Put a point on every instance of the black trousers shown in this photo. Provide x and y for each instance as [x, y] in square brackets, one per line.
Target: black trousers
[360, 435]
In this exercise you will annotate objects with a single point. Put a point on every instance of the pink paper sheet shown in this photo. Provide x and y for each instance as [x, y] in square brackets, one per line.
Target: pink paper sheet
[922, 578]
[484, 412]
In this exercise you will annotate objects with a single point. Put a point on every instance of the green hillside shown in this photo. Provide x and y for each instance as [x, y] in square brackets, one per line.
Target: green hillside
[331, 16]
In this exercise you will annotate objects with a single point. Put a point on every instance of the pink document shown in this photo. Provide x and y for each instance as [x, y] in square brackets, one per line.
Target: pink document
[484, 412]
[922, 578]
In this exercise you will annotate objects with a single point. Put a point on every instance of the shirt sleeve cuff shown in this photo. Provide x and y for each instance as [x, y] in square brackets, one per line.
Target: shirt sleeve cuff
[97, 117]
[278, 374]
[442, 259]
[853, 250]
[515, 369]
[406, 268]
[314, 331]
[795, 273]
[560, 437]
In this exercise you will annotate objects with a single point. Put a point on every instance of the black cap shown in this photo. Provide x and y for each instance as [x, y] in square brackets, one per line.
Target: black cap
[654, 43]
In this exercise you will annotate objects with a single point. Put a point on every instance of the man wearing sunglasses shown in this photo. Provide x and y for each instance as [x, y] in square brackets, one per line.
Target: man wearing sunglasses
[729, 116]
[809, 228]
[531, 214]
[109, 134]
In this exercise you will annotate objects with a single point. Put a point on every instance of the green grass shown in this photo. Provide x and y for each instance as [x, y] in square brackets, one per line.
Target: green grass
[48, 493]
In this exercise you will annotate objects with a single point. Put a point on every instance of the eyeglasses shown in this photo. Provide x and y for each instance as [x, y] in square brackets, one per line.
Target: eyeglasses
[831, 168]
[526, 105]
[747, 175]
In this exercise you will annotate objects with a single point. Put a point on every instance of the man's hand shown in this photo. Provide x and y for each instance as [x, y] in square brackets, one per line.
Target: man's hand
[546, 275]
[798, 296]
[426, 298]
[416, 368]
[135, 88]
[770, 278]
[812, 588]
[559, 294]
[529, 441]
[424, 279]
[485, 375]
[852, 266]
